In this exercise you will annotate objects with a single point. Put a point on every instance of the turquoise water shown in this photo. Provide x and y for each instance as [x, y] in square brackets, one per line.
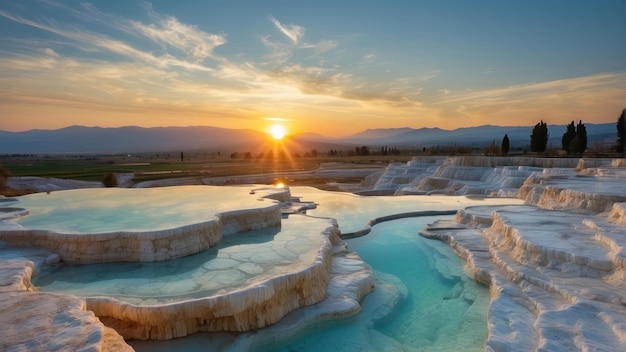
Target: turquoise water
[436, 306]
[353, 212]
[101, 210]
[443, 309]
[238, 261]
[440, 309]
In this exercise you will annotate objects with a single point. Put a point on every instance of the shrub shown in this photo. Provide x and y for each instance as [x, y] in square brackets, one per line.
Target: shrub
[4, 177]
[109, 180]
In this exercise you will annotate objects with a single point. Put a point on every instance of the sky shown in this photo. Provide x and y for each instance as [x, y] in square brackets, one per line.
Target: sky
[328, 67]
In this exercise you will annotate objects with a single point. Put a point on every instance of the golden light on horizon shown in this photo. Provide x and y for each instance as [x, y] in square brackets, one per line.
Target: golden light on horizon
[278, 132]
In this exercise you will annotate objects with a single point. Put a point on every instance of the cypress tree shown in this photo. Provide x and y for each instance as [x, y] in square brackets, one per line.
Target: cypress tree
[539, 138]
[505, 145]
[621, 132]
[581, 137]
[568, 137]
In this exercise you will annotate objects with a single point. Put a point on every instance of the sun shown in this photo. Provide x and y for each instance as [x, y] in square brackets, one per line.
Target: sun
[278, 132]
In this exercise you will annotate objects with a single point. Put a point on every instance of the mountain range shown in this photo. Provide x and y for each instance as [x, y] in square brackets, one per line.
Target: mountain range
[131, 139]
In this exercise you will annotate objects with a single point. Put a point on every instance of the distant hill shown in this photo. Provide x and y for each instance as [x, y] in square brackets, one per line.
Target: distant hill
[80, 139]
[519, 136]
[380, 133]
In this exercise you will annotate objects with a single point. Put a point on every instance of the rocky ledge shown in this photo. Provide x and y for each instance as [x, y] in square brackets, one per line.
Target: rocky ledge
[557, 277]
[37, 321]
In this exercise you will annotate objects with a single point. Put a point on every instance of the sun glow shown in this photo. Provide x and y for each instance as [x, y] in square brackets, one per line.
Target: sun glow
[278, 132]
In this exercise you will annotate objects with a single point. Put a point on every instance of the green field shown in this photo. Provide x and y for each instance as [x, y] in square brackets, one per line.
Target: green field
[151, 167]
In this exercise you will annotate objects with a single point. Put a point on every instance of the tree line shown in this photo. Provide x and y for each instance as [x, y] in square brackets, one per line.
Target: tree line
[573, 141]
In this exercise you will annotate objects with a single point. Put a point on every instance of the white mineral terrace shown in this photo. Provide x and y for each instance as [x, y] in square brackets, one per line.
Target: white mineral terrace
[555, 264]
[251, 280]
[107, 225]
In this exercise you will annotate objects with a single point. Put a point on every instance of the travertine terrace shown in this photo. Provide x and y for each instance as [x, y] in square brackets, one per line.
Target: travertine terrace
[555, 264]
[290, 273]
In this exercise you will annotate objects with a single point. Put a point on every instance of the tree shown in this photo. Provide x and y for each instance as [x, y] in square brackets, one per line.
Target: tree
[539, 138]
[505, 145]
[581, 137]
[621, 132]
[364, 150]
[568, 137]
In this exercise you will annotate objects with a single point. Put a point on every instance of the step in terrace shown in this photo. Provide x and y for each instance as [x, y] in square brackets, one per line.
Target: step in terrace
[557, 278]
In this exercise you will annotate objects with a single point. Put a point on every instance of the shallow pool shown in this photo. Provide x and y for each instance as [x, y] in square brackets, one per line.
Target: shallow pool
[439, 306]
[238, 261]
[136, 209]
[444, 309]
[353, 212]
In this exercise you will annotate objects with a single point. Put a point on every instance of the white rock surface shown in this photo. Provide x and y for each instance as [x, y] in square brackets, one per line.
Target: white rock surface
[477, 175]
[148, 245]
[556, 266]
[36, 321]
[49, 184]
[48, 322]
[333, 272]
[557, 280]
[340, 303]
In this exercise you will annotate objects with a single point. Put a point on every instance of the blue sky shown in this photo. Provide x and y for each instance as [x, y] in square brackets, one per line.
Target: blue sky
[331, 67]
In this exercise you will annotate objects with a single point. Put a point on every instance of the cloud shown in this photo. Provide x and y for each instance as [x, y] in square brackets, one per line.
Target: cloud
[94, 42]
[279, 52]
[310, 79]
[543, 90]
[292, 31]
[196, 45]
[49, 52]
[369, 57]
[170, 31]
[277, 119]
[321, 46]
[428, 76]
[588, 97]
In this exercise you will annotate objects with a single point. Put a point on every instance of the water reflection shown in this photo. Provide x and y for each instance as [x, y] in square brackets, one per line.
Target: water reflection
[443, 310]
[238, 260]
[141, 209]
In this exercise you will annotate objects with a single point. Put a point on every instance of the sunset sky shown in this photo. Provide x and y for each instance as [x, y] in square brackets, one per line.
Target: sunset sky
[329, 67]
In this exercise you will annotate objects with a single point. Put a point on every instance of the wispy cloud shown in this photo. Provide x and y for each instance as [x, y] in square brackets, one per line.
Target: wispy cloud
[90, 41]
[276, 119]
[369, 57]
[184, 50]
[170, 31]
[279, 52]
[428, 76]
[564, 87]
[321, 46]
[161, 66]
[49, 52]
[593, 96]
[292, 31]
